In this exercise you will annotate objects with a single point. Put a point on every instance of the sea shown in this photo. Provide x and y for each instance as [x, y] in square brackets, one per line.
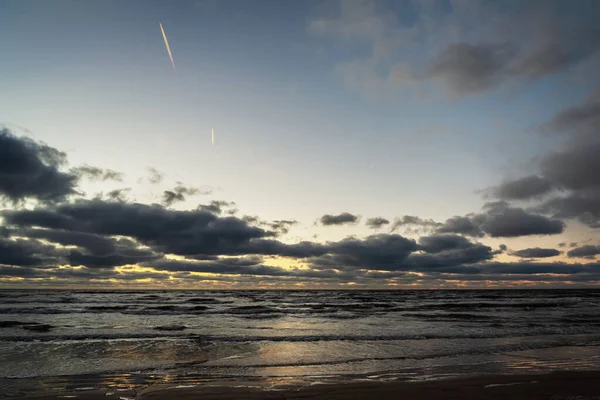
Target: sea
[117, 339]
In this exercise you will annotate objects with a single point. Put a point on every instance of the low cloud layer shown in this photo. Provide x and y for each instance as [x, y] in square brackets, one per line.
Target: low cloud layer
[77, 239]
[178, 194]
[97, 174]
[536, 252]
[501, 220]
[377, 222]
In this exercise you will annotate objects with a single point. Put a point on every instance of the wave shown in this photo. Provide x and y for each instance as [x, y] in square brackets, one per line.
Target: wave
[205, 300]
[250, 310]
[170, 328]
[486, 305]
[450, 316]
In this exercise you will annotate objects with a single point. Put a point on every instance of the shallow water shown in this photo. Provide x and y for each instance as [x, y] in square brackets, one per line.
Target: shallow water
[185, 336]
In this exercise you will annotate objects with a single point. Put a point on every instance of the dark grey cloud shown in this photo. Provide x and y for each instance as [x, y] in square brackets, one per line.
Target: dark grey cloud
[241, 265]
[391, 252]
[523, 188]
[501, 220]
[281, 226]
[536, 252]
[573, 168]
[122, 256]
[167, 231]
[440, 243]
[18, 272]
[91, 242]
[461, 225]
[413, 224]
[31, 170]
[27, 253]
[467, 68]
[569, 172]
[94, 251]
[97, 174]
[586, 251]
[515, 222]
[454, 261]
[527, 269]
[579, 123]
[118, 194]
[155, 176]
[340, 219]
[219, 207]
[383, 251]
[377, 222]
[178, 194]
[538, 41]
[582, 205]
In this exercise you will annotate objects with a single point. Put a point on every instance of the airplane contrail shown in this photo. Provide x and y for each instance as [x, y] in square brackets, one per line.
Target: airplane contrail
[213, 136]
[167, 44]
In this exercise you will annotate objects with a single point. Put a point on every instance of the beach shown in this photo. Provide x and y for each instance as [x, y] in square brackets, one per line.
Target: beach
[580, 385]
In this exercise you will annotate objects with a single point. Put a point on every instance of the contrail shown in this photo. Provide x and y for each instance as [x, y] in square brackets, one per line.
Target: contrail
[167, 44]
[213, 136]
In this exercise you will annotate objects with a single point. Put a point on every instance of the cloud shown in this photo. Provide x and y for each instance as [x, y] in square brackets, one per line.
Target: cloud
[123, 256]
[282, 225]
[155, 176]
[340, 219]
[515, 222]
[27, 253]
[587, 251]
[217, 206]
[569, 172]
[30, 169]
[91, 242]
[461, 225]
[501, 220]
[178, 194]
[522, 189]
[440, 243]
[468, 69]
[166, 231]
[414, 223]
[573, 168]
[377, 222]
[97, 174]
[240, 265]
[536, 252]
[118, 194]
[582, 119]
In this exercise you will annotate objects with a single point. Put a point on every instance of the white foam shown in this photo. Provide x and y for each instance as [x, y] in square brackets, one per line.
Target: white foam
[507, 384]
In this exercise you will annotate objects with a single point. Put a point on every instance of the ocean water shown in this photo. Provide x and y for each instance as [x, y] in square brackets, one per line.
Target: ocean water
[56, 339]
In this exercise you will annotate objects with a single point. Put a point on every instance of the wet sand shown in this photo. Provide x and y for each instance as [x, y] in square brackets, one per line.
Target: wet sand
[554, 386]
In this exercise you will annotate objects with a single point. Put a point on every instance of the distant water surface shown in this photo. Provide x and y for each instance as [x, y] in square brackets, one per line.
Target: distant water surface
[118, 337]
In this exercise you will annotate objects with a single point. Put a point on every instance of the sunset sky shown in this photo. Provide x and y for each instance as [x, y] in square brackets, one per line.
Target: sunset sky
[380, 144]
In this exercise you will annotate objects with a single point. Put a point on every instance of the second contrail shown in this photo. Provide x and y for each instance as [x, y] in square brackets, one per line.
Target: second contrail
[167, 44]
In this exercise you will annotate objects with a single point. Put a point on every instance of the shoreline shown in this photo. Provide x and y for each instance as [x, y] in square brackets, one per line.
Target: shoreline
[553, 385]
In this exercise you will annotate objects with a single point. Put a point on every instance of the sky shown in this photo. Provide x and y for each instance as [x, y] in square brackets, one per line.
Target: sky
[358, 144]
